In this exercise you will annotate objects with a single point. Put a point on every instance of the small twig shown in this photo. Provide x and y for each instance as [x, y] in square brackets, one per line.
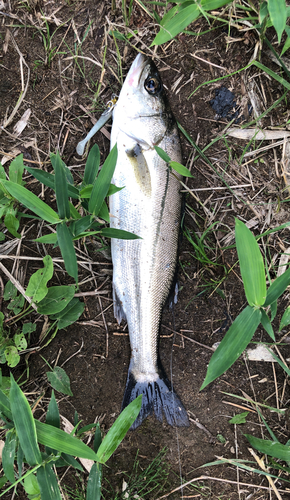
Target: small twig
[73, 354]
[260, 462]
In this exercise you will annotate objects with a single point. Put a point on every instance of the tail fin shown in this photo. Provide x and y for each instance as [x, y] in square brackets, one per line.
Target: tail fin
[158, 396]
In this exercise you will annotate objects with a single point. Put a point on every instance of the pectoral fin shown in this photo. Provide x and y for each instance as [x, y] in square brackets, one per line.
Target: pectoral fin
[140, 167]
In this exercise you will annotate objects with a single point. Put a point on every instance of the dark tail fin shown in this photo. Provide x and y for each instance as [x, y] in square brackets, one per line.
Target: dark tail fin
[158, 396]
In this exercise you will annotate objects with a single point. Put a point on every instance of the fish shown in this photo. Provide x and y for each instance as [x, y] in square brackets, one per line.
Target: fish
[149, 206]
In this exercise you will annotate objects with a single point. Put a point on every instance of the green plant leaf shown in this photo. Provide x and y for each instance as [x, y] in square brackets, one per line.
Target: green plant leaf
[162, 154]
[24, 424]
[97, 438]
[111, 232]
[118, 430]
[68, 174]
[267, 324]
[180, 169]
[271, 448]
[59, 380]
[56, 299]
[239, 419]
[61, 189]
[5, 405]
[48, 180]
[233, 344]
[63, 442]
[20, 341]
[48, 239]
[31, 201]
[251, 265]
[31, 486]
[278, 287]
[92, 165]
[69, 314]
[52, 415]
[285, 321]
[10, 291]
[28, 328]
[65, 241]
[94, 483]
[37, 284]
[16, 169]
[47, 482]
[8, 455]
[278, 16]
[103, 181]
[12, 356]
[12, 223]
[176, 24]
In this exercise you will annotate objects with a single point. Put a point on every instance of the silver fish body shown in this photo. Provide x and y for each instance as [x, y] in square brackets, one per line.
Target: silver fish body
[149, 206]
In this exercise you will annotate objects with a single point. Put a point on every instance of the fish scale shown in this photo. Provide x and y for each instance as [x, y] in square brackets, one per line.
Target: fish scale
[149, 206]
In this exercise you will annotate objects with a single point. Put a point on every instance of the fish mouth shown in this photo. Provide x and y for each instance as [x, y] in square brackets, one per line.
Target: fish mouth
[136, 70]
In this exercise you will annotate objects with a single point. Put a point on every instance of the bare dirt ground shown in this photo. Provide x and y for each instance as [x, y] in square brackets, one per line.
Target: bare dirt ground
[66, 88]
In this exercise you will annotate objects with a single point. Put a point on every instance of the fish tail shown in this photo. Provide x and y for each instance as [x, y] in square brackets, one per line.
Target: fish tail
[158, 397]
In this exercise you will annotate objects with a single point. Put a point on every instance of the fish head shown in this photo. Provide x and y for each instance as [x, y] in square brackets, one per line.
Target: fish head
[142, 111]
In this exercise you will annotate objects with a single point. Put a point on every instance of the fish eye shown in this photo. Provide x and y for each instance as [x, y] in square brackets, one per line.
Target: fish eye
[152, 85]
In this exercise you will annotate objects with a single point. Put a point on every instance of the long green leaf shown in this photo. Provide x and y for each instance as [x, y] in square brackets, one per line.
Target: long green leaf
[118, 430]
[5, 408]
[65, 241]
[267, 324]
[31, 201]
[271, 448]
[94, 483]
[16, 169]
[92, 165]
[278, 15]
[61, 191]
[102, 184]
[111, 232]
[63, 442]
[233, 344]
[176, 24]
[277, 287]
[37, 283]
[8, 455]
[47, 483]
[24, 424]
[59, 380]
[285, 319]
[48, 180]
[251, 265]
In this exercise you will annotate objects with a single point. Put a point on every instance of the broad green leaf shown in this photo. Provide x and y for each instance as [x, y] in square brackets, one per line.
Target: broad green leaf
[56, 299]
[59, 380]
[285, 321]
[61, 189]
[162, 154]
[267, 324]
[276, 450]
[10, 291]
[8, 455]
[277, 287]
[63, 442]
[70, 314]
[273, 307]
[278, 16]
[47, 482]
[16, 304]
[28, 328]
[31, 485]
[20, 341]
[114, 189]
[37, 284]
[74, 214]
[180, 169]
[65, 241]
[118, 430]
[94, 483]
[82, 224]
[48, 239]
[69, 460]
[233, 344]
[32, 202]
[12, 356]
[251, 265]
[12, 224]
[16, 169]
[239, 419]
[24, 424]
[104, 212]
[103, 181]
[92, 165]
[111, 232]
[52, 415]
